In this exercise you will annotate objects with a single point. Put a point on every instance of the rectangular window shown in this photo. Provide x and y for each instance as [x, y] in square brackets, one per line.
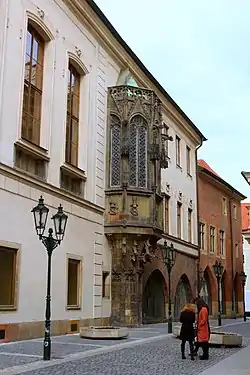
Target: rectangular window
[188, 159]
[72, 124]
[33, 82]
[166, 229]
[202, 236]
[105, 285]
[189, 225]
[179, 207]
[74, 283]
[178, 150]
[237, 251]
[212, 239]
[222, 242]
[7, 278]
[234, 211]
[224, 206]
[165, 137]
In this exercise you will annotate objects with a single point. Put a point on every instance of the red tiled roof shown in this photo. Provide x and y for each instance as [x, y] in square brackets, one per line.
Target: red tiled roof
[204, 165]
[244, 216]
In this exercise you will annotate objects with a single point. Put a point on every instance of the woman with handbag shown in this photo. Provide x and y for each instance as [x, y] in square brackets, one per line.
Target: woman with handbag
[203, 329]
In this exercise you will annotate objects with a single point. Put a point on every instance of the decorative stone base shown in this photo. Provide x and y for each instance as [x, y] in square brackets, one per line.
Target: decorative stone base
[104, 333]
[32, 330]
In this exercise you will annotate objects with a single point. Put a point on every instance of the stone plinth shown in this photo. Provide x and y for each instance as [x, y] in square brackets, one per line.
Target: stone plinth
[217, 338]
[104, 333]
[225, 339]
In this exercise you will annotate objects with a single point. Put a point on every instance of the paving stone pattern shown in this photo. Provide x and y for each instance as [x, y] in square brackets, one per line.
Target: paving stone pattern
[157, 358]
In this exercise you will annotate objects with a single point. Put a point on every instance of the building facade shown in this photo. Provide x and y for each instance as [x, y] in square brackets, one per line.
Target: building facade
[246, 249]
[220, 239]
[83, 123]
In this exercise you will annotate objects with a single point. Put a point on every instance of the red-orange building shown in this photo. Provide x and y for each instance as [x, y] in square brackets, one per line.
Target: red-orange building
[220, 238]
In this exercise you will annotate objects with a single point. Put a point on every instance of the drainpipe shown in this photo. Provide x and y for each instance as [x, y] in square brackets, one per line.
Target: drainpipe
[198, 220]
[232, 253]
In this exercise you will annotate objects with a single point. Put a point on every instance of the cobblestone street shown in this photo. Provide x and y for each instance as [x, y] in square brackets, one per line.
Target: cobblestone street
[148, 351]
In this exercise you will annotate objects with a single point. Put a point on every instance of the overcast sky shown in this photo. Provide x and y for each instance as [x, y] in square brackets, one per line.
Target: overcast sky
[200, 53]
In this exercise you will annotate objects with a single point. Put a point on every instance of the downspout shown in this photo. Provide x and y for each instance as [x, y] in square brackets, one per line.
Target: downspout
[232, 253]
[198, 220]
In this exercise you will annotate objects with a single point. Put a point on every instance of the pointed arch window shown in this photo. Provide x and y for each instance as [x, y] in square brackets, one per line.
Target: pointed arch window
[33, 83]
[138, 152]
[115, 147]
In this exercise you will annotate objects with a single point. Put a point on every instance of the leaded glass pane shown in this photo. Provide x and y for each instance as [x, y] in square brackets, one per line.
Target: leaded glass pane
[142, 157]
[133, 158]
[138, 152]
[115, 146]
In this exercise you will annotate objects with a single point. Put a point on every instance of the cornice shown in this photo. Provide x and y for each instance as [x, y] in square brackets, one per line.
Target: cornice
[48, 188]
[82, 10]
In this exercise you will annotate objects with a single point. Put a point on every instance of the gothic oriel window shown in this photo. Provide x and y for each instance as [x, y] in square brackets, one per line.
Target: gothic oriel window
[138, 152]
[115, 147]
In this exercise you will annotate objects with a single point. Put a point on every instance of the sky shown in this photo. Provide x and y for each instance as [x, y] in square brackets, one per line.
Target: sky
[199, 51]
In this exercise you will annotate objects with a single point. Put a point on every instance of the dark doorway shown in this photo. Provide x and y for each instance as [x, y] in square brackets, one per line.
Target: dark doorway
[183, 295]
[153, 307]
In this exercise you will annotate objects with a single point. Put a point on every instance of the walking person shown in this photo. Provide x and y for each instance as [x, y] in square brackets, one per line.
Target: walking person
[187, 319]
[203, 329]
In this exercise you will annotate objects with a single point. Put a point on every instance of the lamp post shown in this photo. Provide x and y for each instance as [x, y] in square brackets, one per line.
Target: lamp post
[169, 256]
[218, 270]
[201, 279]
[243, 278]
[40, 213]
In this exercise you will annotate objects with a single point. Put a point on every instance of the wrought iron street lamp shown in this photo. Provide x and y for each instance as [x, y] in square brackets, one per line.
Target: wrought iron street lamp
[169, 256]
[243, 278]
[218, 271]
[40, 213]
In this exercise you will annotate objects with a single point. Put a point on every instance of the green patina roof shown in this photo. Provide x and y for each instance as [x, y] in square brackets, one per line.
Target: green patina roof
[126, 78]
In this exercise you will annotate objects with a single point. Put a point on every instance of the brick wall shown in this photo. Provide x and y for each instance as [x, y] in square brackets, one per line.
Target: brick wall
[216, 204]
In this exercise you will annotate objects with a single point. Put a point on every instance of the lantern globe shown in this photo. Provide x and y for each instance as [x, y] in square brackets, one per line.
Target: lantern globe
[60, 222]
[40, 213]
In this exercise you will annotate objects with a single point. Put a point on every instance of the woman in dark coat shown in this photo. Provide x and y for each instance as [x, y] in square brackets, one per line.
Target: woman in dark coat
[187, 319]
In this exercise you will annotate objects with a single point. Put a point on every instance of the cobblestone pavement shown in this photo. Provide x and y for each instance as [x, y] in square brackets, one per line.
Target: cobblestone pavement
[149, 350]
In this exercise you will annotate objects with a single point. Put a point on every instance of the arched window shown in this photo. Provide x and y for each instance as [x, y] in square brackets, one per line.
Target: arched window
[33, 83]
[138, 152]
[115, 147]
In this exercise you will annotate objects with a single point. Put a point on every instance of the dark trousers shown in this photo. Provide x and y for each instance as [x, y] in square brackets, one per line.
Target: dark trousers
[205, 348]
[183, 344]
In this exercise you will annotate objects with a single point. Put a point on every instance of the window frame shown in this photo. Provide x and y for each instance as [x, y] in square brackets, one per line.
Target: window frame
[190, 225]
[166, 213]
[222, 238]
[78, 259]
[33, 29]
[188, 160]
[179, 219]
[212, 235]
[202, 235]
[178, 150]
[16, 248]
[73, 70]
